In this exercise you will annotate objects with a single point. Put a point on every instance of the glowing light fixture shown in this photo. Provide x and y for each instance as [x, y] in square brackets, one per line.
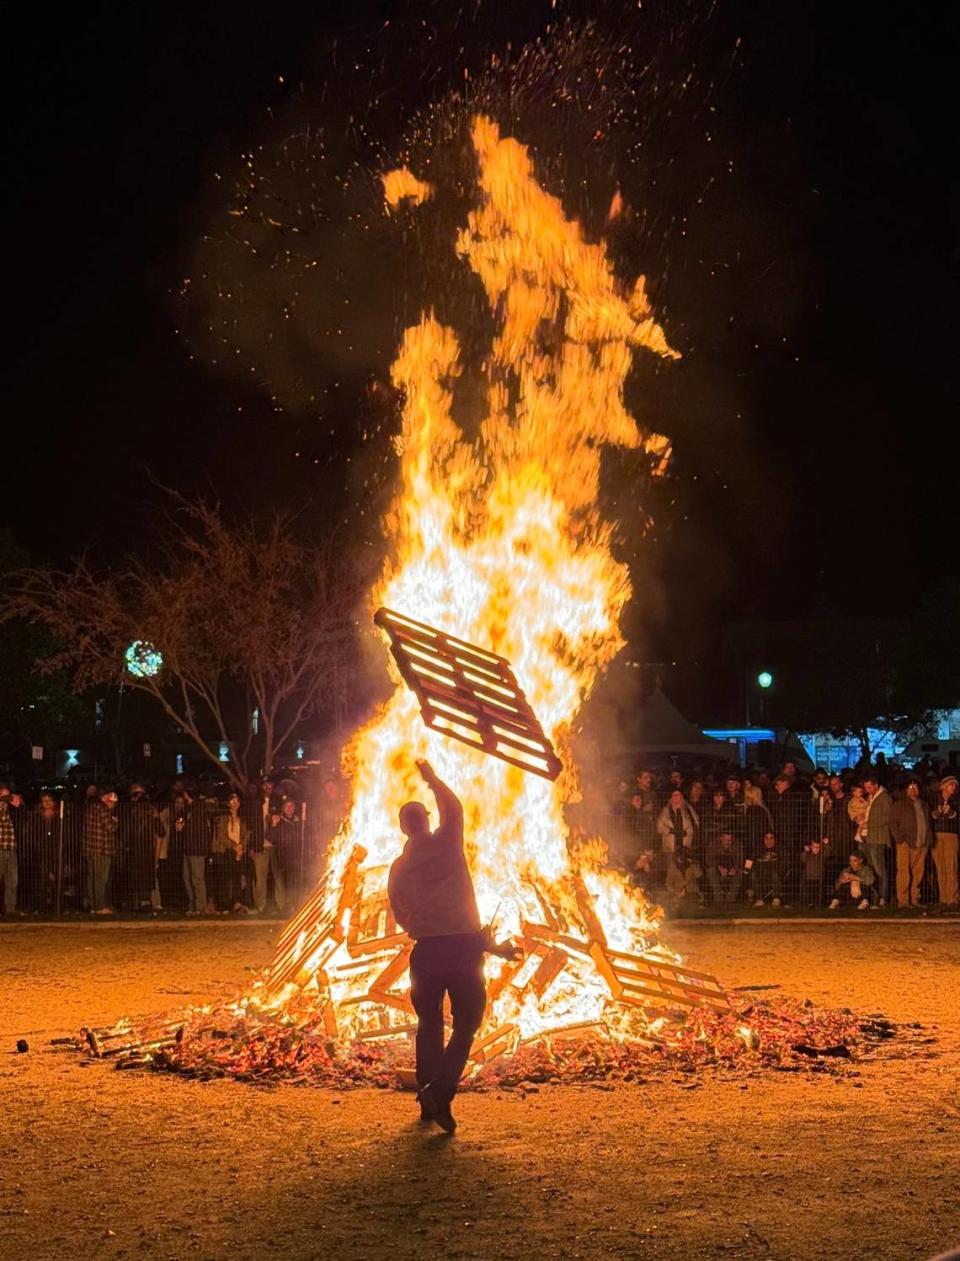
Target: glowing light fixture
[765, 679]
[143, 660]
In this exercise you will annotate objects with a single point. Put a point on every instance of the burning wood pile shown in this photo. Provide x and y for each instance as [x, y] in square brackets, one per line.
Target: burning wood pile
[293, 1047]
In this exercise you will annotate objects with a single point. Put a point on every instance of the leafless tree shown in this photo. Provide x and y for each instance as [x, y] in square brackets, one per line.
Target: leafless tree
[246, 616]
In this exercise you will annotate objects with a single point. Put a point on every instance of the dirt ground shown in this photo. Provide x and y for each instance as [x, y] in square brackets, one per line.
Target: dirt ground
[112, 1164]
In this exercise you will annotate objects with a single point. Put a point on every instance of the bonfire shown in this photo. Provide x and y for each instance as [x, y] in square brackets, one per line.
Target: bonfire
[502, 591]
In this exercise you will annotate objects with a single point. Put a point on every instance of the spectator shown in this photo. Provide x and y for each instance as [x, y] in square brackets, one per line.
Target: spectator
[910, 825]
[766, 873]
[756, 821]
[161, 896]
[813, 874]
[262, 851]
[230, 840]
[840, 828]
[193, 824]
[793, 820]
[38, 852]
[288, 845]
[633, 833]
[875, 835]
[725, 868]
[138, 833]
[9, 802]
[717, 817]
[819, 784]
[677, 829]
[99, 849]
[945, 818]
[857, 809]
[854, 883]
[738, 806]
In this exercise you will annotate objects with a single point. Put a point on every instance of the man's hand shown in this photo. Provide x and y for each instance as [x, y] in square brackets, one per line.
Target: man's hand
[427, 771]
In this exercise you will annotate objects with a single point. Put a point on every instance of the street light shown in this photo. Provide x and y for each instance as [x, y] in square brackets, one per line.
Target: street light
[765, 679]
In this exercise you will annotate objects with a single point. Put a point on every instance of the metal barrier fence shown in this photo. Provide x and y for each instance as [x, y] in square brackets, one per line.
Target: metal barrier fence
[200, 858]
[810, 857]
[161, 857]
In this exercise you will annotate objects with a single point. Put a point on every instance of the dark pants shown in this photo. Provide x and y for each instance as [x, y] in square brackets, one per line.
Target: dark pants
[439, 966]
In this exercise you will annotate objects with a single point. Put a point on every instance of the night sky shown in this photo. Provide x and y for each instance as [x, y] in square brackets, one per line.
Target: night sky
[791, 171]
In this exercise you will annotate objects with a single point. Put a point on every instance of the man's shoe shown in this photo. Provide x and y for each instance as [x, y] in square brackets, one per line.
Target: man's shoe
[427, 1111]
[431, 1109]
[863, 905]
[834, 905]
[446, 1120]
[759, 902]
[776, 902]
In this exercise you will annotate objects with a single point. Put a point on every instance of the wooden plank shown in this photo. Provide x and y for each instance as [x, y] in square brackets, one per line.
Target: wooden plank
[552, 964]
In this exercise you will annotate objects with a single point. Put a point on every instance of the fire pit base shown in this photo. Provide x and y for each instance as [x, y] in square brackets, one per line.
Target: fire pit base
[768, 1035]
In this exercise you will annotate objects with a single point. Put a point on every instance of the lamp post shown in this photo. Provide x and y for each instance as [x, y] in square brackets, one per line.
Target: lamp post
[764, 683]
[142, 660]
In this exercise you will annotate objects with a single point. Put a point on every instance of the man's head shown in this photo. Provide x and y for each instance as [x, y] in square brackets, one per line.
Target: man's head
[719, 797]
[676, 779]
[47, 803]
[233, 801]
[870, 784]
[733, 786]
[289, 809]
[414, 820]
[109, 798]
[790, 768]
[820, 778]
[836, 783]
[855, 862]
[769, 840]
[782, 782]
[676, 799]
[815, 847]
[948, 787]
[637, 801]
[726, 840]
[4, 791]
[91, 792]
[645, 781]
[331, 789]
[137, 792]
[913, 790]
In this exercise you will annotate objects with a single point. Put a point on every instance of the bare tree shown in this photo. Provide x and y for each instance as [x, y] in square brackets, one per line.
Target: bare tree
[245, 616]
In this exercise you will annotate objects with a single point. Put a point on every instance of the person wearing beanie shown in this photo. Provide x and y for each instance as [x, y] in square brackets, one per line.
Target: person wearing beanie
[945, 820]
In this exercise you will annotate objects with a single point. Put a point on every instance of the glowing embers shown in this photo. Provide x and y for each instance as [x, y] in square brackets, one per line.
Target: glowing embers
[469, 694]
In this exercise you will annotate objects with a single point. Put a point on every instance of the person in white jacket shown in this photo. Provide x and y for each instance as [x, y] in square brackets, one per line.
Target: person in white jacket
[677, 827]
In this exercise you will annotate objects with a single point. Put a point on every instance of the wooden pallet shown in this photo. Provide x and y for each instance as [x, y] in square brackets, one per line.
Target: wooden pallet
[469, 694]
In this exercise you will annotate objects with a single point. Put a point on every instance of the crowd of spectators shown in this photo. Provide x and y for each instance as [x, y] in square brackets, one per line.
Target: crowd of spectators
[865, 839]
[868, 838]
[187, 850]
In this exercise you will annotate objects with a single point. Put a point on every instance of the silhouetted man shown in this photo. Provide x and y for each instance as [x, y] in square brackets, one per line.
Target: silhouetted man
[432, 897]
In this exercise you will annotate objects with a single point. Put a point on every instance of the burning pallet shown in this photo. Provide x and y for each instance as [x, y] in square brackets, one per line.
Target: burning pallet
[469, 694]
[352, 942]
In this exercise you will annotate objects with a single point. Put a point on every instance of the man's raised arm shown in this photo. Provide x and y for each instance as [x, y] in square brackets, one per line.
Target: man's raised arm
[448, 803]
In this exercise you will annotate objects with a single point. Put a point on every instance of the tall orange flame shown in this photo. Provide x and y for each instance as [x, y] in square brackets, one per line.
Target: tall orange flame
[499, 541]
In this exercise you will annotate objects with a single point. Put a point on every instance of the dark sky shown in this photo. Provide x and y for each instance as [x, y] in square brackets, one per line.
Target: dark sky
[794, 185]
